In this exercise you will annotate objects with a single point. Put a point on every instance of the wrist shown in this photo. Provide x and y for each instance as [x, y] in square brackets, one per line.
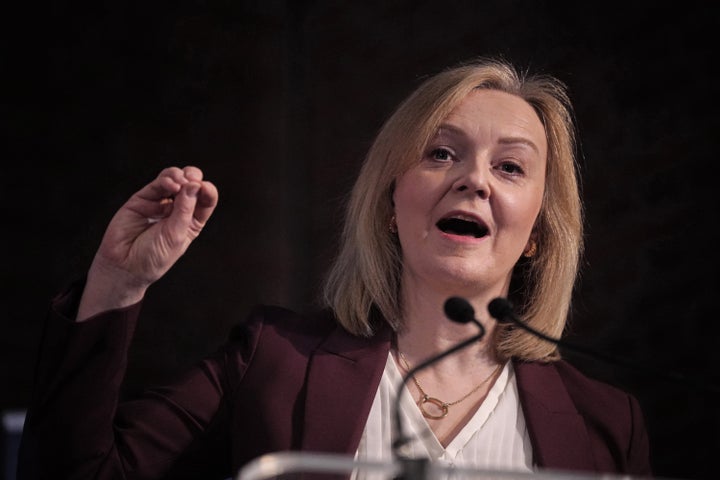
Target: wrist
[108, 288]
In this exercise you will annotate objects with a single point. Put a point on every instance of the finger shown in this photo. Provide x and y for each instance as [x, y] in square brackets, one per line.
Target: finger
[175, 173]
[180, 221]
[156, 198]
[206, 202]
[168, 182]
[193, 173]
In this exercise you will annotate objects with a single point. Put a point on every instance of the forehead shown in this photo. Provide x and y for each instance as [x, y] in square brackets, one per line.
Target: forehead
[501, 114]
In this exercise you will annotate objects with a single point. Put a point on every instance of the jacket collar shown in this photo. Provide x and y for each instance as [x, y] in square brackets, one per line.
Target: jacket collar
[558, 434]
[342, 381]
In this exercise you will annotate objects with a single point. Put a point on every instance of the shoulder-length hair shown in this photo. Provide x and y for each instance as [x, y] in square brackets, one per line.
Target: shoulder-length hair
[365, 276]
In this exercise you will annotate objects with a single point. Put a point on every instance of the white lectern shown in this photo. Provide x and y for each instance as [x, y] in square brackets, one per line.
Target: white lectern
[304, 464]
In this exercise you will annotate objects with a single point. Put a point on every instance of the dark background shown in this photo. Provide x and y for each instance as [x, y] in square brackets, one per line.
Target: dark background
[278, 102]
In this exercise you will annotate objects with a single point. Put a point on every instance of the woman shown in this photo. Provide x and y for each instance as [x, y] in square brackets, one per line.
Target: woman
[469, 190]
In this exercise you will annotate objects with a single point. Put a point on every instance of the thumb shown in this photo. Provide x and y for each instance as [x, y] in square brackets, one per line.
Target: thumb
[181, 218]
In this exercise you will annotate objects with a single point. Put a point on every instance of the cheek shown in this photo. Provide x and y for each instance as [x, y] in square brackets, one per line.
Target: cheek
[411, 193]
[520, 212]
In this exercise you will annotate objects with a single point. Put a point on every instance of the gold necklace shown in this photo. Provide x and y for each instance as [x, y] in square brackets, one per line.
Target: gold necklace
[443, 406]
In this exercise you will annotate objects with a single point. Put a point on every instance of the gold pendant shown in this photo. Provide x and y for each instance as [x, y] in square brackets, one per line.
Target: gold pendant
[438, 403]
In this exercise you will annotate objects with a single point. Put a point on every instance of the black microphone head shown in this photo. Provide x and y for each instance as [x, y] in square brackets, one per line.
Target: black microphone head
[501, 309]
[459, 310]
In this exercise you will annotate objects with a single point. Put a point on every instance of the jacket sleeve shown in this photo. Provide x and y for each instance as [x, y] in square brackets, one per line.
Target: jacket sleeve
[77, 428]
[638, 455]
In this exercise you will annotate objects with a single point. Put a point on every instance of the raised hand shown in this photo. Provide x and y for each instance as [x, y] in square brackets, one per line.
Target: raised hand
[146, 236]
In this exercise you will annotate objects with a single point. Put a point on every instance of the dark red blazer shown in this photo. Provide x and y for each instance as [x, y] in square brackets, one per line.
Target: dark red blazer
[284, 381]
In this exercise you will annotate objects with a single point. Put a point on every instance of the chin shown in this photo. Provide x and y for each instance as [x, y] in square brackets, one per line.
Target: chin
[468, 277]
[464, 276]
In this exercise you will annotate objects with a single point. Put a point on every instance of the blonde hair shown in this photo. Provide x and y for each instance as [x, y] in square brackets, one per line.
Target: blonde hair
[365, 277]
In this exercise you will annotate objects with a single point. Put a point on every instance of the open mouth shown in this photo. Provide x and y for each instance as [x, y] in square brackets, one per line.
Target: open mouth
[463, 226]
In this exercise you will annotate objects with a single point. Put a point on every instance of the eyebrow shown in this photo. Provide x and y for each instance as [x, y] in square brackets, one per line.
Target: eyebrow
[520, 140]
[453, 130]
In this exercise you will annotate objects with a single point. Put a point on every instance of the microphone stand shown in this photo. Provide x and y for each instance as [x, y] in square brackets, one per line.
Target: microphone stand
[417, 468]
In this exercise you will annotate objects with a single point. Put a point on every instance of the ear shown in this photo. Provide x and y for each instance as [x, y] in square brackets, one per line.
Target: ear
[533, 237]
[392, 223]
[532, 245]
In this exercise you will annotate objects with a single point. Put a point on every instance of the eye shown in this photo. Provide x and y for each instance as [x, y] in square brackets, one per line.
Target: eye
[511, 168]
[441, 154]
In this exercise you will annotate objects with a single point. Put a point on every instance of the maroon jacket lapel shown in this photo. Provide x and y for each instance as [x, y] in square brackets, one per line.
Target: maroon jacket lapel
[559, 437]
[344, 372]
[343, 375]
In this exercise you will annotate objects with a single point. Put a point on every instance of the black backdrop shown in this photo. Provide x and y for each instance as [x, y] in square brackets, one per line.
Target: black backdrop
[278, 101]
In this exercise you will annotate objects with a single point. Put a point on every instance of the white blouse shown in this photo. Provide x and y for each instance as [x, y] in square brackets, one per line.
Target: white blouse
[496, 438]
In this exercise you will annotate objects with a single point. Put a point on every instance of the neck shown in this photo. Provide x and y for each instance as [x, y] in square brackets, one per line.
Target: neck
[427, 331]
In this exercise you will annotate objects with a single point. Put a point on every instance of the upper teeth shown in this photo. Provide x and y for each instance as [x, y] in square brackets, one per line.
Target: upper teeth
[464, 217]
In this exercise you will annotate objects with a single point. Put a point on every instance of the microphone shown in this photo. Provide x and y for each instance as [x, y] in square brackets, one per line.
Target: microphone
[503, 312]
[458, 310]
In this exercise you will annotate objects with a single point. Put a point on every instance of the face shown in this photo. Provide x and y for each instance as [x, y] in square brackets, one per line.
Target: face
[466, 210]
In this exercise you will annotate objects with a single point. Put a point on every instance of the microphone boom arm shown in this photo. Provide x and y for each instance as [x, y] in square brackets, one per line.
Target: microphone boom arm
[502, 311]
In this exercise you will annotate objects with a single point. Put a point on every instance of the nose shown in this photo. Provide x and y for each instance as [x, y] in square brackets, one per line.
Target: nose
[473, 178]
